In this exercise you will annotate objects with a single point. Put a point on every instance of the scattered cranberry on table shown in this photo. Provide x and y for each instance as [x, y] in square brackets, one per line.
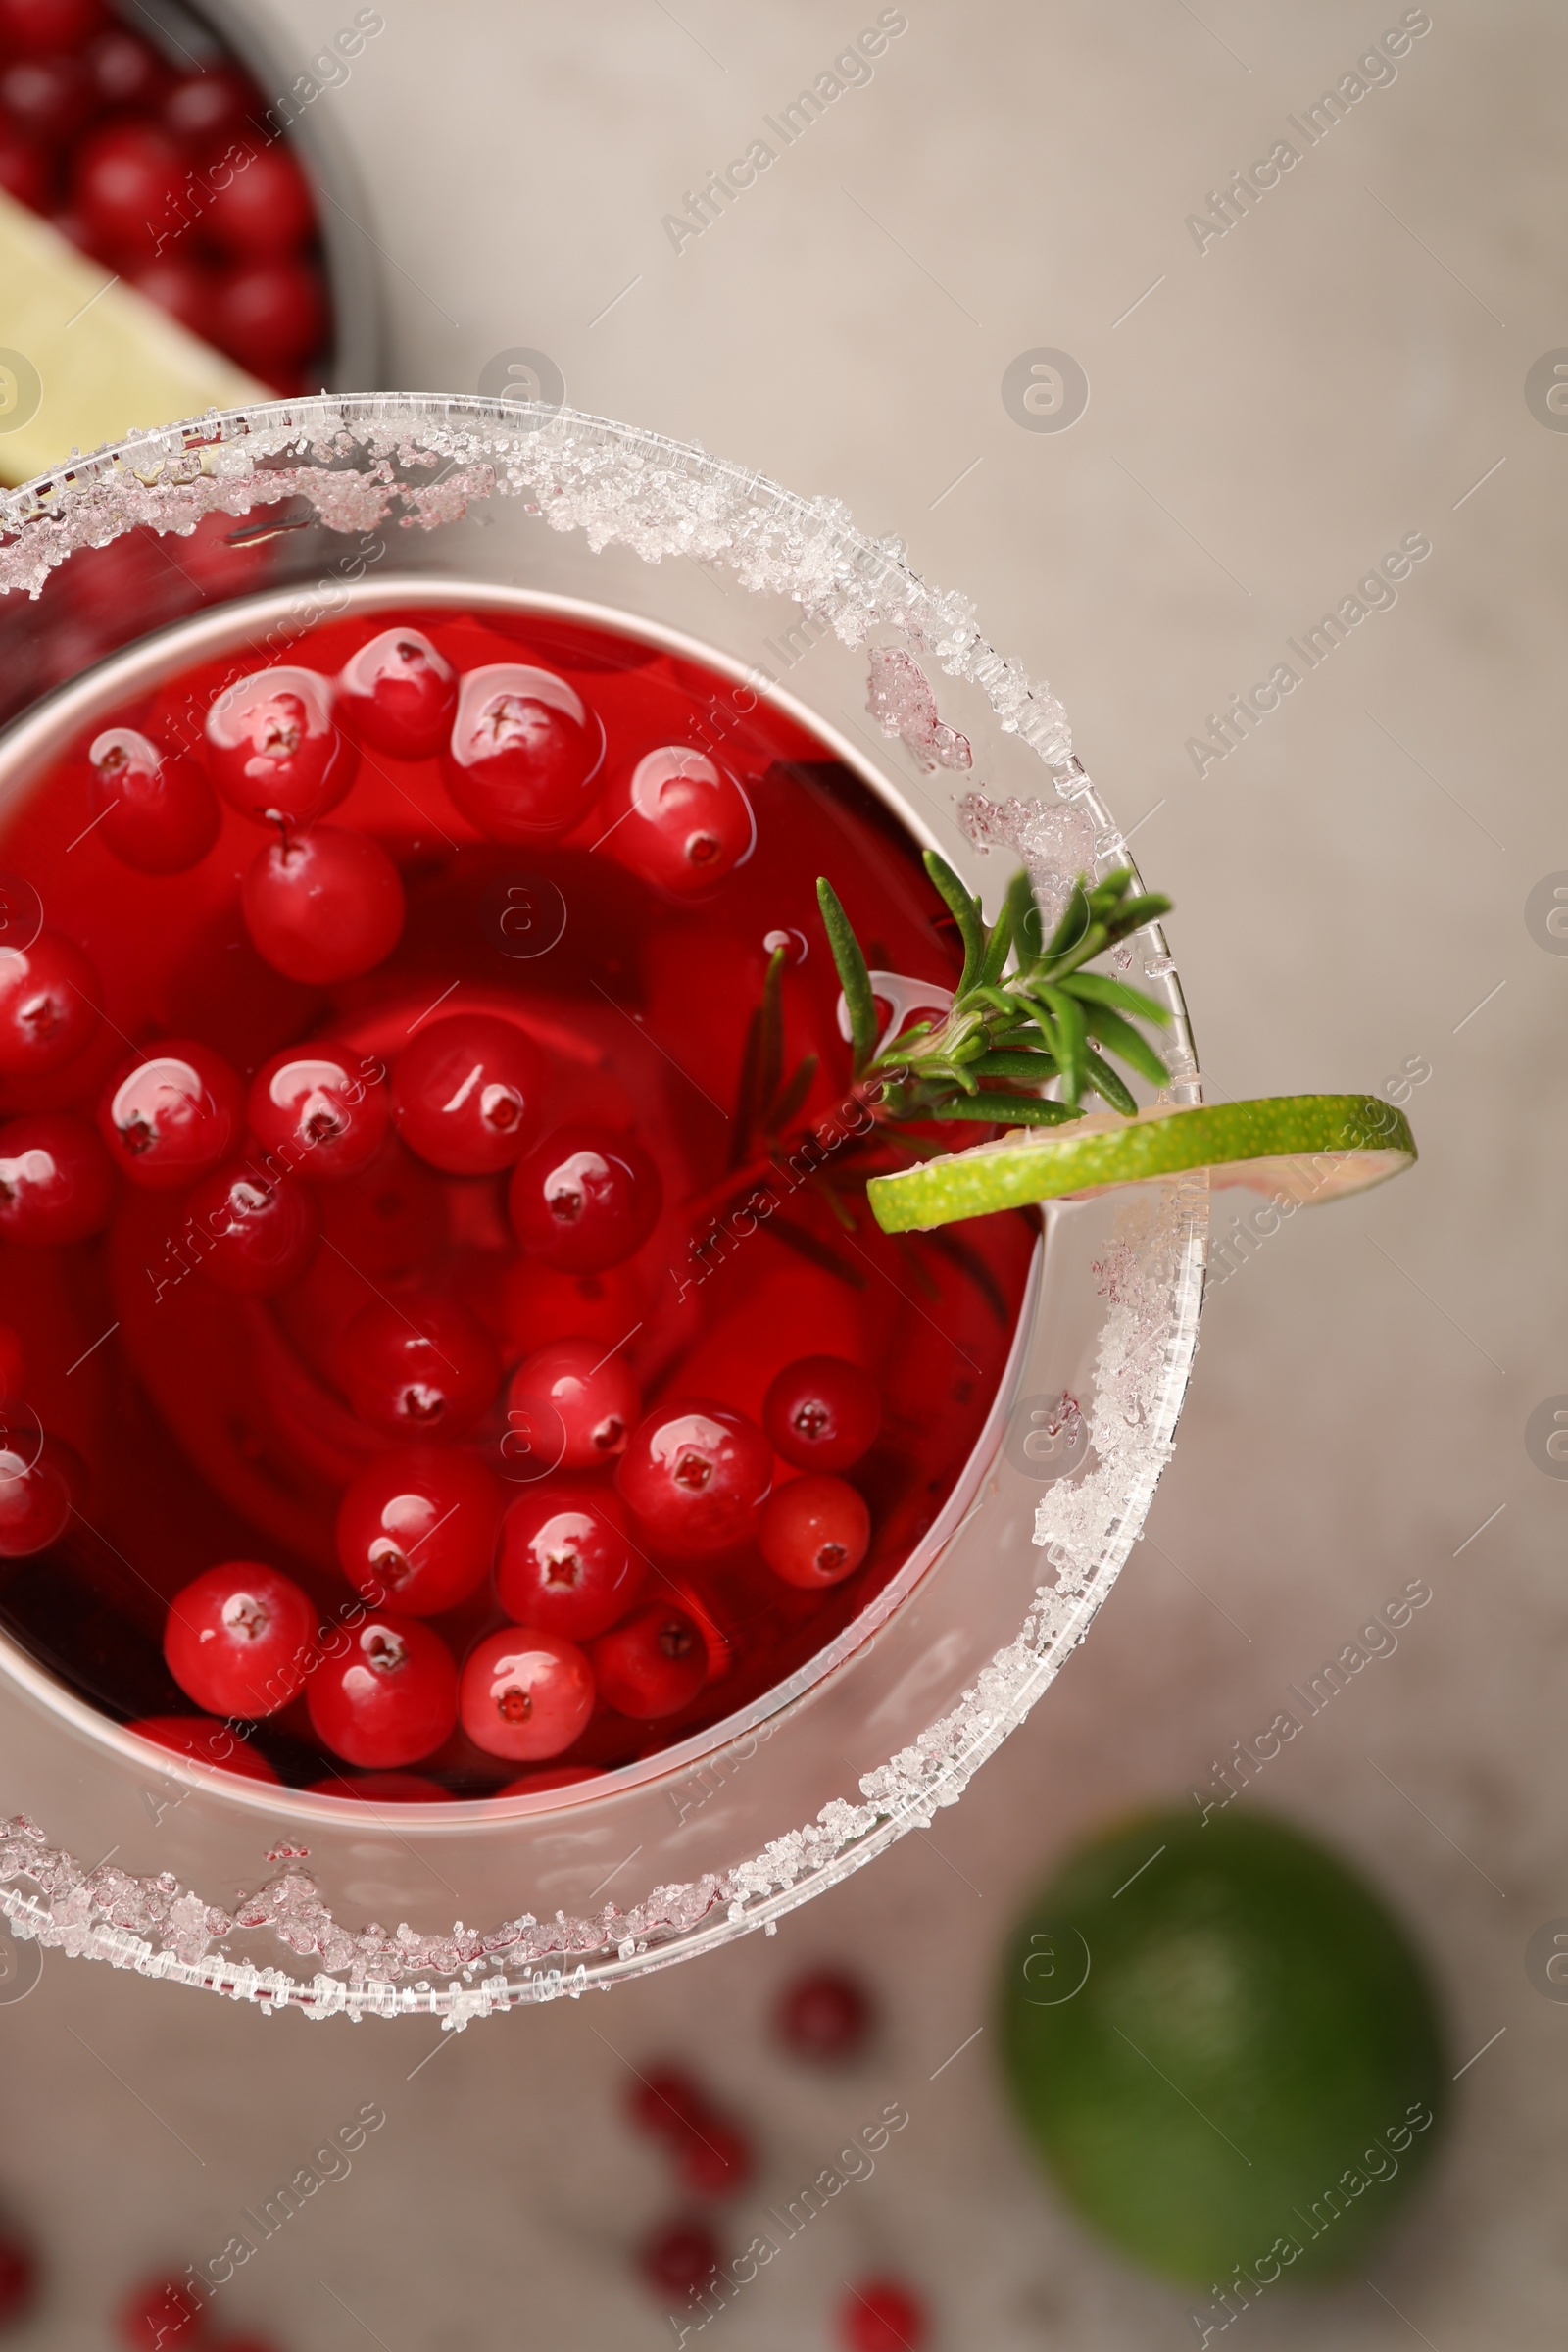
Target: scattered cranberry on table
[678, 2257]
[712, 2154]
[882, 2315]
[826, 2017]
[18, 2278]
[162, 2314]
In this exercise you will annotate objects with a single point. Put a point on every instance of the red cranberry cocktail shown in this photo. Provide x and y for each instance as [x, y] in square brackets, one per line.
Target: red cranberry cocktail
[444, 1350]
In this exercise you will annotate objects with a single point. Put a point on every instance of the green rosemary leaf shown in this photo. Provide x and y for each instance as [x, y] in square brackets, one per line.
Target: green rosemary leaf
[1000, 1000]
[1126, 1044]
[787, 1103]
[1104, 1081]
[1076, 918]
[1072, 1037]
[1132, 913]
[998, 939]
[1023, 916]
[1097, 989]
[1033, 1069]
[760, 1064]
[854, 978]
[960, 1254]
[1005, 1111]
[965, 912]
[829, 1193]
[806, 1244]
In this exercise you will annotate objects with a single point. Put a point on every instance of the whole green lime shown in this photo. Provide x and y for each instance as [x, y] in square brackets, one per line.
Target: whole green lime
[1225, 2048]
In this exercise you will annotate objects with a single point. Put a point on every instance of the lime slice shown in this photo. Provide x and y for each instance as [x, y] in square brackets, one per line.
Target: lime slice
[1309, 1148]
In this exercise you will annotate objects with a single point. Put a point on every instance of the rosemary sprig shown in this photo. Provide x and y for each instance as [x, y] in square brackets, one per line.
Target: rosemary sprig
[1025, 1011]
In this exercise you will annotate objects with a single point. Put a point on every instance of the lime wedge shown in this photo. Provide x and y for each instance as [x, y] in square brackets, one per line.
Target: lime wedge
[1309, 1148]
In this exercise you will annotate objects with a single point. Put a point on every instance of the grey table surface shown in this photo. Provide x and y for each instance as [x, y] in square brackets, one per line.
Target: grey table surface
[1269, 410]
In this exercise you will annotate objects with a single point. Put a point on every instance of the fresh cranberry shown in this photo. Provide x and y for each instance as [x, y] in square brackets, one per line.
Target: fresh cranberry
[56, 1183]
[13, 1363]
[525, 1694]
[565, 1776]
[430, 1371]
[33, 26]
[826, 2017]
[881, 2315]
[382, 1789]
[266, 209]
[678, 2257]
[385, 1694]
[667, 2104]
[18, 2278]
[397, 694]
[417, 1528]
[388, 1217]
[36, 1494]
[48, 97]
[255, 1231]
[653, 1663]
[815, 1530]
[716, 2160]
[523, 752]
[155, 810]
[160, 2316]
[207, 108]
[321, 1108]
[181, 285]
[821, 1412]
[324, 905]
[269, 313]
[697, 1475]
[25, 168]
[584, 1199]
[274, 748]
[466, 1093]
[124, 71]
[240, 1639]
[208, 1743]
[687, 823]
[569, 1406]
[129, 181]
[171, 1114]
[564, 1563]
[48, 1005]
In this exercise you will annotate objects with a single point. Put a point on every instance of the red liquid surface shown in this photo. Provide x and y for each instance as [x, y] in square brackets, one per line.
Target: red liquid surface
[215, 1426]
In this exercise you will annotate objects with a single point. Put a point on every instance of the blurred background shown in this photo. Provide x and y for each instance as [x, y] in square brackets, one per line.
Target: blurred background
[1249, 400]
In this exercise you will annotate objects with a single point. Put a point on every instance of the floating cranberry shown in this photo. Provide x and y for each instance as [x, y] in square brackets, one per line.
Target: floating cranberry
[181, 285]
[266, 209]
[206, 110]
[324, 905]
[417, 1528]
[274, 748]
[569, 1406]
[525, 1694]
[163, 2315]
[48, 1005]
[653, 1663]
[821, 1412]
[48, 97]
[466, 1093]
[171, 1114]
[124, 71]
[255, 1232]
[381, 1789]
[38, 24]
[56, 1183]
[18, 2278]
[25, 168]
[826, 2017]
[154, 809]
[128, 184]
[385, 1694]
[678, 2257]
[398, 694]
[688, 822]
[321, 1108]
[240, 1639]
[524, 752]
[584, 1199]
[207, 1742]
[13, 1363]
[881, 2315]
[36, 1494]
[429, 1370]
[697, 1475]
[270, 315]
[815, 1530]
[564, 1563]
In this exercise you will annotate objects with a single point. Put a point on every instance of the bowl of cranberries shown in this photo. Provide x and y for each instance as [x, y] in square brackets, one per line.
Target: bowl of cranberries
[171, 146]
[466, 1451]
